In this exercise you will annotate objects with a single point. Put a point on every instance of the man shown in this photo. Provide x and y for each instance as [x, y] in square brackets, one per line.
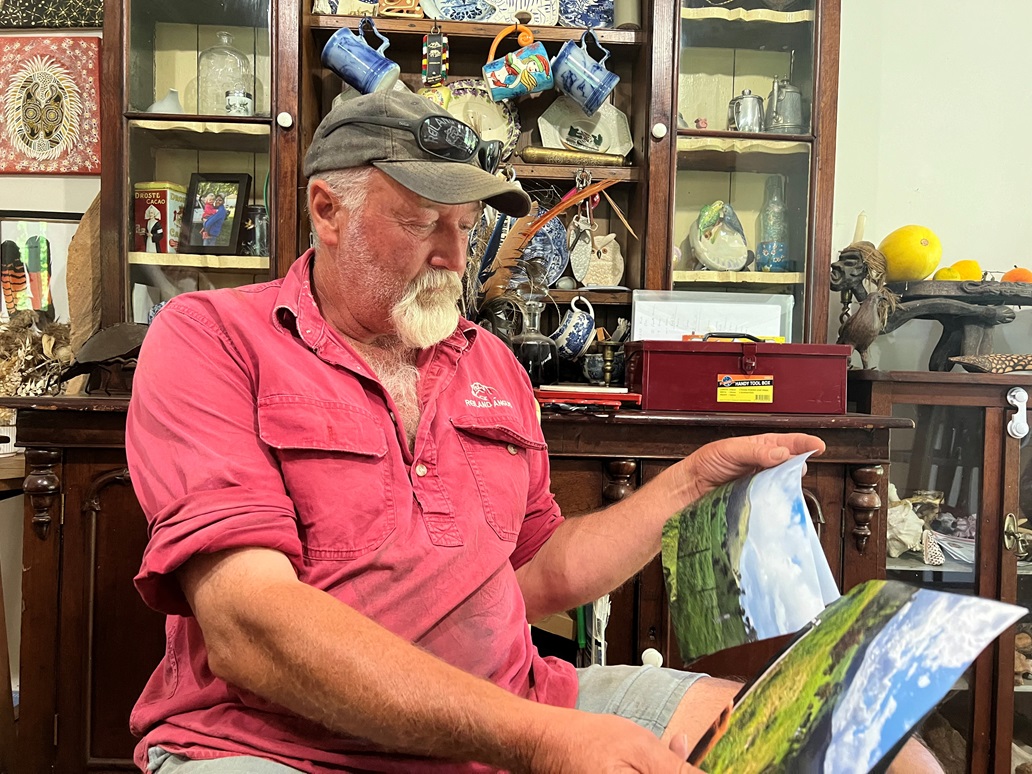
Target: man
[348, 543]
[214, 222]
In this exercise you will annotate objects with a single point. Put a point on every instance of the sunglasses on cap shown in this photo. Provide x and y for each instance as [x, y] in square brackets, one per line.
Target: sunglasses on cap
[444, 137]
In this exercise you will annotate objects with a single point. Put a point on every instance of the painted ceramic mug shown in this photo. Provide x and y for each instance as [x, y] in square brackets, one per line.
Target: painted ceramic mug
[524, 71]
[582, 78]
[576, 329]
[357, 63]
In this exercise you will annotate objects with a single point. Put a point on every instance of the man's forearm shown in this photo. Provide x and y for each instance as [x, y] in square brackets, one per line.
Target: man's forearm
[298, 647]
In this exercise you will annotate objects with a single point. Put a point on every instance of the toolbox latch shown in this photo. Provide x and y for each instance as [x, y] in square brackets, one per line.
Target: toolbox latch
[748, 357]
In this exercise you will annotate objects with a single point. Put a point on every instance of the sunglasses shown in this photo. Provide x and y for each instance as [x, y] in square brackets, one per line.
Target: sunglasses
[444, 137]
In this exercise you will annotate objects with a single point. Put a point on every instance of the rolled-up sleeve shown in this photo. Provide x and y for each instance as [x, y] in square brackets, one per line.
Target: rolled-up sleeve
[201, 473]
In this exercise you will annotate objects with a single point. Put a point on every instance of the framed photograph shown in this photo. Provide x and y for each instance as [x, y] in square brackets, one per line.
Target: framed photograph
[216, 207]
[49, 105]
[34, 262]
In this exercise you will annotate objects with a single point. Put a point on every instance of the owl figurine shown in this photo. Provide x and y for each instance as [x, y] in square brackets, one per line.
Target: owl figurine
[717, 238]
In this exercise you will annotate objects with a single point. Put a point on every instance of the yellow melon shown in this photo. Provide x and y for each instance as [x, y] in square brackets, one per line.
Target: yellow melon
[948, 274]
[911, 253]
[968, 269]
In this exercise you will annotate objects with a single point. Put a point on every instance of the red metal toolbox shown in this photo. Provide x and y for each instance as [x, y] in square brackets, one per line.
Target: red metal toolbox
[752, 376]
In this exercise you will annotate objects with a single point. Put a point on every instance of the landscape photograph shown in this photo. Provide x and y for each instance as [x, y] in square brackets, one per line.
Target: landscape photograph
[845, 693]
[743, 563]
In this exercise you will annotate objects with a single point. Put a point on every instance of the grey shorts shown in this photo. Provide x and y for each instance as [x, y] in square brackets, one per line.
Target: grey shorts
[647, 695]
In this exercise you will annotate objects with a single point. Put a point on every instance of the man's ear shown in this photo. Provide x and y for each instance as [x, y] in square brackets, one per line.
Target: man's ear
[328, 217]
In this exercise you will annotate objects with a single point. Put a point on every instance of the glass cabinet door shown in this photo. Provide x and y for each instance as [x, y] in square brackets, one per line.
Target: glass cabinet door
[198, 144]
[745, 90]
[1017, 559]
[934, 528]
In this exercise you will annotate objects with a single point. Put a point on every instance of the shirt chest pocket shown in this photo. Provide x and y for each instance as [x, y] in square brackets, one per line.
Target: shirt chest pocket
[497, 453]
[334, 461]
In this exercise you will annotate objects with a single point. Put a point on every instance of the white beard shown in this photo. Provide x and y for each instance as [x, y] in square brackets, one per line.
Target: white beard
[428, 312]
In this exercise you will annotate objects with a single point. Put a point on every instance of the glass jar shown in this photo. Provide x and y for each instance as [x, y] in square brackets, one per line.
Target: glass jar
[772, 250]
[223, 71]
[537, 353]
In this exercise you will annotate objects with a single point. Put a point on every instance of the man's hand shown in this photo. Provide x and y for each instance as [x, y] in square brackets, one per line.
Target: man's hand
[605, 744]
[725, 460]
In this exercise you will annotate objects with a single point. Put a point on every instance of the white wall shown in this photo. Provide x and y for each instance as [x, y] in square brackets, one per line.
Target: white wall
[46, 193]
[933, 128]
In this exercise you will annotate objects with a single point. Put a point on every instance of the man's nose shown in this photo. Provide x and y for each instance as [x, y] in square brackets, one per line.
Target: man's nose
[449, 249]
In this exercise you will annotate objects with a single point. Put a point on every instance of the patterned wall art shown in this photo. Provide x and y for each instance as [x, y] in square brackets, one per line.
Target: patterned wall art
[51, 14]
[49, 105]
[33, 262]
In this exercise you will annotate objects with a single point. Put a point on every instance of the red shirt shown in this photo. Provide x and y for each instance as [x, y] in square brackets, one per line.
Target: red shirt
[253, 423]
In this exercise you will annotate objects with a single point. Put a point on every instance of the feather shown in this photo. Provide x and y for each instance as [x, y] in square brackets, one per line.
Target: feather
[508, 257]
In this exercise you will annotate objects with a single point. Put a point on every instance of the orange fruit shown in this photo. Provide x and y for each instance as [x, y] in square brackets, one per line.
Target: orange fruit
[911, 253]
[1017, 274]
[947, 274]
[968, 269]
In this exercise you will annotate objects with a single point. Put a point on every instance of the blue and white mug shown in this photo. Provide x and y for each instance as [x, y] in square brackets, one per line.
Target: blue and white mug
[357, 63]
[576, 329]
[582, 78]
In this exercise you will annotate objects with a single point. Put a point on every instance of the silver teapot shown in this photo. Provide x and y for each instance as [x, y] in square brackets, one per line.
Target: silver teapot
[784, 108]
[745, 113]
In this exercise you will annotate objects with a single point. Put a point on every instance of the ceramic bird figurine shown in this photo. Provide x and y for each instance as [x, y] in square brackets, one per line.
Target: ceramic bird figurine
[864, 325]
[718, 239]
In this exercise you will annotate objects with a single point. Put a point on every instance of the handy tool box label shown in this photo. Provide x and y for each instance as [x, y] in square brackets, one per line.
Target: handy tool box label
[745, 388]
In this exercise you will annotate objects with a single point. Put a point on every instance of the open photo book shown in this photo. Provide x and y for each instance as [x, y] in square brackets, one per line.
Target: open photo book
[743, 564]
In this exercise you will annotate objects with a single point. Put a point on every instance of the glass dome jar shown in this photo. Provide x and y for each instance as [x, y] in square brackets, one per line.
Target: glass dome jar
[223, 75]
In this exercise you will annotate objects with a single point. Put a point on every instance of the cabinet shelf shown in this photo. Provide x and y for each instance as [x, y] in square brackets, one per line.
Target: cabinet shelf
[202, 261]
[328, 24]
[733, 152]
[569, 171]
[913, 564]
[251, 136]
[596, 297]
[760, 28]
[741, 277]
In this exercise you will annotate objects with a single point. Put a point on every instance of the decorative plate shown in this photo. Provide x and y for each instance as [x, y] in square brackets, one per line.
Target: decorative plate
[543, 13]
[549, 246]
[345, 7]
[586, 13]
[471, 102]
[464, 10]
[564, 125]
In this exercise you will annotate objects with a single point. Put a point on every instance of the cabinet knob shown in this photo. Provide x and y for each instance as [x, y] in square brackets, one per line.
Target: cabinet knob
[285, 120]
[651, 657]
[659, 131]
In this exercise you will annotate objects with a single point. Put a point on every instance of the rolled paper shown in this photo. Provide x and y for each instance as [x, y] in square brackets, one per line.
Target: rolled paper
[861, 222]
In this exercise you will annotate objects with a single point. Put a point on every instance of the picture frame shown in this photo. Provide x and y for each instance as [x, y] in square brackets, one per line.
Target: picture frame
[207, 193]
[34, 262]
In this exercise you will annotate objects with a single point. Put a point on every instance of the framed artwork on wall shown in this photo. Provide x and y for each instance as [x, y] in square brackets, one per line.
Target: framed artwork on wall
[216, 207]
[49, 105]
[34, 262]
[51, 14]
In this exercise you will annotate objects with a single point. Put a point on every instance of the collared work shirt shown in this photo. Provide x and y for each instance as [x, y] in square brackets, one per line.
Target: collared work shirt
[254, 424]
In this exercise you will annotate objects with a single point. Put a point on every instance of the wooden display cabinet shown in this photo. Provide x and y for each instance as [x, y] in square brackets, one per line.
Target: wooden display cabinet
[151, 47]
[960, 451]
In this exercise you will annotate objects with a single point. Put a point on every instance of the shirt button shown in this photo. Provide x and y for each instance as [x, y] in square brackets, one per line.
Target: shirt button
[512, 449]
[420, 470]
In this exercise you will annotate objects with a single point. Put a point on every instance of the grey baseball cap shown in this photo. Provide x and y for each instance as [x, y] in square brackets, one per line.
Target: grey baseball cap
[396, 153]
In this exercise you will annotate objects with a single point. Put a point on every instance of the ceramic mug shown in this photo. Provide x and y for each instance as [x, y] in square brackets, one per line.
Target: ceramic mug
[585, 80]
[524, 71]
[576, 329]
[357, 63]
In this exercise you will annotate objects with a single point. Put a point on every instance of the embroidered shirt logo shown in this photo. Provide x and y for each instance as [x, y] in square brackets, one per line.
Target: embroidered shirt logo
[485, 397]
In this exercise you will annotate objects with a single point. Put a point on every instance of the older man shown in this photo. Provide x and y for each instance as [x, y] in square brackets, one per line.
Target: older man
[348, 542]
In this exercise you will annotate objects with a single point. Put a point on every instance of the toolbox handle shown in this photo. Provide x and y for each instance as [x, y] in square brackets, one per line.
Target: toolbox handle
[733, 336]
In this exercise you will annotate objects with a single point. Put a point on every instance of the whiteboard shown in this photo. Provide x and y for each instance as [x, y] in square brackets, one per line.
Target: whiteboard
[667, 315]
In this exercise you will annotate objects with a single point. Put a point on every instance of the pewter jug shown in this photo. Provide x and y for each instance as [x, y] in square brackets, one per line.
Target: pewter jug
[745, 113]
[784, 108]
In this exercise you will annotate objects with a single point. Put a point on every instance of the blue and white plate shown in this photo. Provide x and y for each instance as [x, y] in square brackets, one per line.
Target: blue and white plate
[586, 13]
[550, 244]
[465, 10]
[543, 13]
